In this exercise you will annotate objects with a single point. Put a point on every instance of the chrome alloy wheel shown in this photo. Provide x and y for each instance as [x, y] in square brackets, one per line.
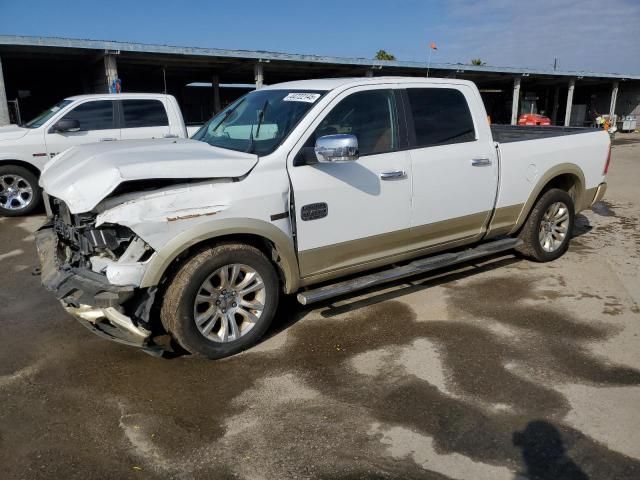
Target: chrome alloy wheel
[15, 192]
[229, 303]
[554, 227]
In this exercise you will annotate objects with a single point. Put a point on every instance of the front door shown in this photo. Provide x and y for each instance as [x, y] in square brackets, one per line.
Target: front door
[354, 212]
[97, 124]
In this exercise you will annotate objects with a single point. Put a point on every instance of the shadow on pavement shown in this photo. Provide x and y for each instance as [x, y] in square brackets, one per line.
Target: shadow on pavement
[417, 284]
[581, 226]
[544, 453]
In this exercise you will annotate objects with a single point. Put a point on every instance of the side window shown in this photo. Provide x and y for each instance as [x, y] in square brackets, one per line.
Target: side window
[144, 113]
[96, 115]
[369, 115]
[441, 116]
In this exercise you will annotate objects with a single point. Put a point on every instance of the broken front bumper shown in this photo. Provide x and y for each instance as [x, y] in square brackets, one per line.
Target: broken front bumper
[89, 297]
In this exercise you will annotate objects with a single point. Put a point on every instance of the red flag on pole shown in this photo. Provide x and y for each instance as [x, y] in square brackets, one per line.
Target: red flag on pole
[433, 46]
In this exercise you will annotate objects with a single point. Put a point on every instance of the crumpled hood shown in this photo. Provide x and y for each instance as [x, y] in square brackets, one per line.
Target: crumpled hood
[12, 132]
[84, 175]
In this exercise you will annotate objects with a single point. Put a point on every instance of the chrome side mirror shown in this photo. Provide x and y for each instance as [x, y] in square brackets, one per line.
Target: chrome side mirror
[66, 125]
[336, 148]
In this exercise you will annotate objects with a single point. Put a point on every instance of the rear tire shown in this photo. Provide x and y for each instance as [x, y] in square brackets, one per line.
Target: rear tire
[20, 193]
[221, 301]
[547, 232]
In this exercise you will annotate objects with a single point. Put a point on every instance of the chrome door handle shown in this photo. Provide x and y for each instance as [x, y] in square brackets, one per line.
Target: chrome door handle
[393, 175]
[170, 135]
[481, 162]
[108, 139]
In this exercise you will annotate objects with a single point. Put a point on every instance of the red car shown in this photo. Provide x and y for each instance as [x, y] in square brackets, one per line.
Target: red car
[533, 119]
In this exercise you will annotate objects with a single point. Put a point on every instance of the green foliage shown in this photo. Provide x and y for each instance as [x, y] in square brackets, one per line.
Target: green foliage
[478, 62]
[384, 55]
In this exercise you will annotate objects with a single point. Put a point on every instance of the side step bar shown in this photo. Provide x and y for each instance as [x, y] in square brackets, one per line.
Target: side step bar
[416, 267]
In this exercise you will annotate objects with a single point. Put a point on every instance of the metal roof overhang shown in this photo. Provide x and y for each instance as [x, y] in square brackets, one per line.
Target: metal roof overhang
[202, 62]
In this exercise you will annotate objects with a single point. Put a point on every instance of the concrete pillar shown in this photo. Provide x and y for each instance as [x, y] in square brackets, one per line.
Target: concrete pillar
[567, 114]
[614, 98]
[556, 104]
[215, 83]
[110, 69]
[516, 100]
[258, 72]
[4, 106]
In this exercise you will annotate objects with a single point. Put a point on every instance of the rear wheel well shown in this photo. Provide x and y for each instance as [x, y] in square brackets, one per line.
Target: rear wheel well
[568, 182]
[19, 163]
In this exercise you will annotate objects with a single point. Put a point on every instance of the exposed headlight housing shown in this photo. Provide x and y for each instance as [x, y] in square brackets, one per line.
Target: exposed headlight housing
[112, 240]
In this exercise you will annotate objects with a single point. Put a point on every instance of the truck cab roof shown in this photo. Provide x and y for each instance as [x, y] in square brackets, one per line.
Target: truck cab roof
[334, 83]
[123, 96]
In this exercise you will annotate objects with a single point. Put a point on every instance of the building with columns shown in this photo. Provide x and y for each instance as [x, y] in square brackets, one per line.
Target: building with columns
[36, 72]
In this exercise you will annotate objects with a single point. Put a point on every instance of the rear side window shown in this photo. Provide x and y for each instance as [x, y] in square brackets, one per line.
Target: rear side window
[441, 116]
[97, 115]
[144, 113]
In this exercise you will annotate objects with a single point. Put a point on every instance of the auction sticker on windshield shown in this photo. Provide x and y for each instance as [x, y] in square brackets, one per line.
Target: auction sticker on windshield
[302, 97]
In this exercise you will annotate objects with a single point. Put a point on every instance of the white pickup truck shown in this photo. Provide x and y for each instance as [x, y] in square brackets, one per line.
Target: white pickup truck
[24, 150]
[290, 189]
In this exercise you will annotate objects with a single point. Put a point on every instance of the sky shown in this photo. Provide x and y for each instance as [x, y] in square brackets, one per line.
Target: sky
[584, 35]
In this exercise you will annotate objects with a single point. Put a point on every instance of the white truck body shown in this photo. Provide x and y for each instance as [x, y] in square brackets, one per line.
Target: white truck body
[101, 118]
[401, 200]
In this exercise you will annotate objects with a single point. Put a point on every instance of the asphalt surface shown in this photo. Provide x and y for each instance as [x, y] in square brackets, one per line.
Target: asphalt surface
[504, 369]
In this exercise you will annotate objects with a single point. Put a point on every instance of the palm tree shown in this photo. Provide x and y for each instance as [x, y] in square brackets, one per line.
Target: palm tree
[478, 62]
[383, 55]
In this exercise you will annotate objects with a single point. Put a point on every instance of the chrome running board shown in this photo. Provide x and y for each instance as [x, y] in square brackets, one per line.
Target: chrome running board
[422, 265]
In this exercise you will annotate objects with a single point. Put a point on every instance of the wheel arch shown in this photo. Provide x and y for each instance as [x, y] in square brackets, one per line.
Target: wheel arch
[273, 242]
[21, 163]
[568, 177]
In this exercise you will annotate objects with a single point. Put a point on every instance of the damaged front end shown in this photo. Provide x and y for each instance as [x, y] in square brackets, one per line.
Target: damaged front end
[94, 272]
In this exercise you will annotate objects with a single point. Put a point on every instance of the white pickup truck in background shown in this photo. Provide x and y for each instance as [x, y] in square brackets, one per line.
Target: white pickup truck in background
[294, 187]
[73, 121]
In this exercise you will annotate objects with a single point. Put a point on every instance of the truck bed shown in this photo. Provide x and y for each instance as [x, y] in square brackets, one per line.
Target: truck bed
[516, 133]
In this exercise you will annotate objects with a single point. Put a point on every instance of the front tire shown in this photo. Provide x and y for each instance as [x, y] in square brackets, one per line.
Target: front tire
[547, 231]
[19, 191]
[221, 301]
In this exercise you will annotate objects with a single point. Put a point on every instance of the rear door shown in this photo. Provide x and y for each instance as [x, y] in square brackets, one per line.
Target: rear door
[143, 118]
[359, 209]
[97, 119]
[453, 161]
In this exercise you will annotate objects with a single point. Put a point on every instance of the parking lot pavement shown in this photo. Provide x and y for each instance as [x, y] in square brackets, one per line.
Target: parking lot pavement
[500, 370]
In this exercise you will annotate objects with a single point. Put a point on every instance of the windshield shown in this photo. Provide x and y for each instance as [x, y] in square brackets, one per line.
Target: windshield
[258, 122]
[47, 114]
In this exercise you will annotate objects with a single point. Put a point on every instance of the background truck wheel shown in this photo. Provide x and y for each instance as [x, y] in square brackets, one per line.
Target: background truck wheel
[19, 191]
[547, 231]
[221, 301]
